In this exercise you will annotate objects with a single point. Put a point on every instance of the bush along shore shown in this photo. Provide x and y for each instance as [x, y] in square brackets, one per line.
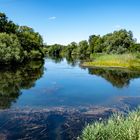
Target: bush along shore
[21, 43]
[118, 42]
[118, 127]
[18, 43]
[117, 49]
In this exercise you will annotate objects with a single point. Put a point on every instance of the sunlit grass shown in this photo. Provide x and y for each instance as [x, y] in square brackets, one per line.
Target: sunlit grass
[105, 60]
[117, 127]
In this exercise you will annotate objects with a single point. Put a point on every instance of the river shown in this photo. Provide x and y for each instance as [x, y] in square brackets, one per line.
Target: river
[56, 98]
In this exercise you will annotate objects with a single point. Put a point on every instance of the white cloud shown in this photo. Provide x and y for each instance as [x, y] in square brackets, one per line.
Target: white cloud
[52, 18]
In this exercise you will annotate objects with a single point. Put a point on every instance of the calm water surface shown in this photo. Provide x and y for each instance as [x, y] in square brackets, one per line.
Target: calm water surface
[64, 85]
[56, 99]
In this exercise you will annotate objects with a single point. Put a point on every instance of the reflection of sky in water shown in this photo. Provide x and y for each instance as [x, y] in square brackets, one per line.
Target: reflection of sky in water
[64, 85]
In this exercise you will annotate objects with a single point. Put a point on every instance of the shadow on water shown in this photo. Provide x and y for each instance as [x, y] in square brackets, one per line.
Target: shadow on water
[71, 60]
[117, 77]
[56, 59]
[14, 79]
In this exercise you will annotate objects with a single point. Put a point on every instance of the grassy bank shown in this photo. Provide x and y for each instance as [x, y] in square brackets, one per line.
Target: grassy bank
[117, 127]
[131, 61]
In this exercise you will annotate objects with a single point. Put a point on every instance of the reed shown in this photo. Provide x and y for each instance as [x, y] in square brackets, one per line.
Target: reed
[118, 127]
[131, 61]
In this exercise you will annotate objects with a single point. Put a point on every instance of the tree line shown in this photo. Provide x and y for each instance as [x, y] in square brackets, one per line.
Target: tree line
[21, 43]
[18, 43]
[118, 42]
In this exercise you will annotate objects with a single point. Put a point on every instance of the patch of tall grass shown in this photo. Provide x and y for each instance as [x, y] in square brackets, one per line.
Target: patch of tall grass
[117, 127]
[115, 60]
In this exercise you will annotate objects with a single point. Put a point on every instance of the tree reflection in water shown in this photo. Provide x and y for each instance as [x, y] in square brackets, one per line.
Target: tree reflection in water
[117, 77]
[13, 80]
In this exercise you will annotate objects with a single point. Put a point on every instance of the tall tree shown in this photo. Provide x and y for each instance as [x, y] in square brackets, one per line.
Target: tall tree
[29, 39]
[7, 25]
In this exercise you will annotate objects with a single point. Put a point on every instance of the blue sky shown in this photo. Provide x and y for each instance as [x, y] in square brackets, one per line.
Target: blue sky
[64, 21]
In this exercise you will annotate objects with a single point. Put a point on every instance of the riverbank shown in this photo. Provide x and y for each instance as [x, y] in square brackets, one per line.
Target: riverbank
[117, 127]
[129, 61]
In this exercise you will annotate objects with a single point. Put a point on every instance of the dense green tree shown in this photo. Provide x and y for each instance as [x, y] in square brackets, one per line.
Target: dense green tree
[29, 44]
[99, 47]
[54, 50]
[18, 43]
[93, 42]
[82, 49]
[30, 40]
[6, 25]
[118, 41]
[10, 49]
[21, 42]
[135, 48]
[71, 49]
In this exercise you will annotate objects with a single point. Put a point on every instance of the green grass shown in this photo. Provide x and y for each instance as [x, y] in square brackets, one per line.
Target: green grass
[131, 61]
[117, 127]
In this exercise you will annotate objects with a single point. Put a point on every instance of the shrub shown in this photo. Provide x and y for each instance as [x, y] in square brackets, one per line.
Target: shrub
[117, 127]
[130, 61]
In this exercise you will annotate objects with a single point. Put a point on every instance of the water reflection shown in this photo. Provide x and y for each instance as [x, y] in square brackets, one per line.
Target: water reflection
[71, 60]
[56, 59]
[117, 77]
[63, 101]
[15, 79]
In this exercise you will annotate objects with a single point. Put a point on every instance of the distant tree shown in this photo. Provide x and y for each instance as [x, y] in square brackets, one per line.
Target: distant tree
[82, 49]
[118, 42]
[93, 42]
[71, 49]
[98, 45]
[55, 49]
[135, 48]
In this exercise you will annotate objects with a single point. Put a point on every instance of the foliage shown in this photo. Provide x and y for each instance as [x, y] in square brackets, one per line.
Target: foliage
[117, 127]
[6, 25]
[18, 43]
[135, 48]
[118, 42]
[71, 49]
[82, 49]
[31, 42]
[10, 49]
[29, 39]
[96, 43]
[130, 61]
[14, 79]
[54, 50]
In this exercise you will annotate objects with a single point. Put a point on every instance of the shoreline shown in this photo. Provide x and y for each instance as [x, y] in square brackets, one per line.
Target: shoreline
[124, 61]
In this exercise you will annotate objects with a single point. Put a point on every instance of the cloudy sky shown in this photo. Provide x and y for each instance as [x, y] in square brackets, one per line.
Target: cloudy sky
[64, 21]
